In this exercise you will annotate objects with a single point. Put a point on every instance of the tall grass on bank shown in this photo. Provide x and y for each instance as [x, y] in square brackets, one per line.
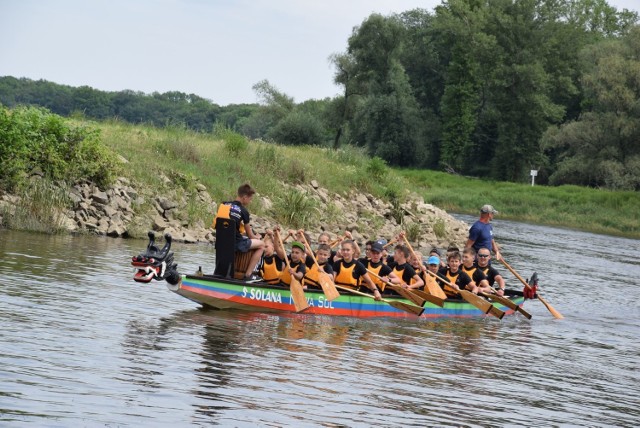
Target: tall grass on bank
[593, 210]
[41, 208]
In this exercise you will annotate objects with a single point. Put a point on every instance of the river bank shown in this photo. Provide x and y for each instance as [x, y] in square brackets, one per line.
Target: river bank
[129, 210]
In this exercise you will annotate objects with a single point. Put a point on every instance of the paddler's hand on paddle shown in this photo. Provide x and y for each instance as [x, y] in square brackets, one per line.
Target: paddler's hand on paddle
[500, 292]
[377, 295]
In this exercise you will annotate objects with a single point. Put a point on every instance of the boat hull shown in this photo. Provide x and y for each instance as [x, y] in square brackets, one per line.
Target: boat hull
[234, 294]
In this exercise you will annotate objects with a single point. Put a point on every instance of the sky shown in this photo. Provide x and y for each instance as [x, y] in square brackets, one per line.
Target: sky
[217, 49]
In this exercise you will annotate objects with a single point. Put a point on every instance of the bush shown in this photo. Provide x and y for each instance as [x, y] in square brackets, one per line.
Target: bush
[296, 209]
[234, 143]
[377, 168]
[35, 139]
[298, 129]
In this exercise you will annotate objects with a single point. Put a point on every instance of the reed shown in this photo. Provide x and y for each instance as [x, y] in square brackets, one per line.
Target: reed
[40, 208]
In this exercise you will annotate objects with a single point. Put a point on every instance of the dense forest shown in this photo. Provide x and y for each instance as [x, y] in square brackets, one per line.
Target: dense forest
[481, 88]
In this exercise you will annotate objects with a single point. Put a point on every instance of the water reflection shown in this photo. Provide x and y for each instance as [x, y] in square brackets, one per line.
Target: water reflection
[77, 331]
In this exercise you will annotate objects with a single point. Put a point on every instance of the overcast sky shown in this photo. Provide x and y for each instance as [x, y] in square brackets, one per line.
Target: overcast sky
[217, 49]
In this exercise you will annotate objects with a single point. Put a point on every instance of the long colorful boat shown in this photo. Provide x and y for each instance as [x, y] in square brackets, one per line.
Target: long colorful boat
[223, 291]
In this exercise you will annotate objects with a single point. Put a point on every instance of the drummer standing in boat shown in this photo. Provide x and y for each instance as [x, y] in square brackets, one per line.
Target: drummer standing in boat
[481, 232]
[246, 240]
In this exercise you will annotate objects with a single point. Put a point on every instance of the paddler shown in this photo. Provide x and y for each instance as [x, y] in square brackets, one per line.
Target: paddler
[406, 275]
[297, 267]
[478, 278]
[272, 264]
[374, 264]
[349, 271]
[493, 276]
[453, 274]
[312, 276]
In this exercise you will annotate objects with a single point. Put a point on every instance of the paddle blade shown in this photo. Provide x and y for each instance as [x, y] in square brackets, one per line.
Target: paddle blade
[416, 310]
[328, 287]
[429, 298]
[407, 294]
[508, 303]
[433, 288]
[477, 301]
[555, 313]
[299, 299]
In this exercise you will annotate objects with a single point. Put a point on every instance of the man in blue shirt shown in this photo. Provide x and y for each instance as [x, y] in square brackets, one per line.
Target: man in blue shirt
[481, 232]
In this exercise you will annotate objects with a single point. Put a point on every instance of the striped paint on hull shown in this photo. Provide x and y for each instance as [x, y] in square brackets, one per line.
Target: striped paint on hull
[232, 294]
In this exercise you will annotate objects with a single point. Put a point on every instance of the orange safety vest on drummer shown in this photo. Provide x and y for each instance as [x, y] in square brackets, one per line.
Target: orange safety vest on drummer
[234, 210]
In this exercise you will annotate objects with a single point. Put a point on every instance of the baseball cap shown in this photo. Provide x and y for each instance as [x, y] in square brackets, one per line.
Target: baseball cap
[377, 247]
[433, 260]
[297, 244]
[488, 209]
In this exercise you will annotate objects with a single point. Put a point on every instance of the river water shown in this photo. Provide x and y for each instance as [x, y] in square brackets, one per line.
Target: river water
[81, 344]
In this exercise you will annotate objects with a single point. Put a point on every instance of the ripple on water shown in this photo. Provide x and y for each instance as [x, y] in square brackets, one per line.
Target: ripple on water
[82, 344]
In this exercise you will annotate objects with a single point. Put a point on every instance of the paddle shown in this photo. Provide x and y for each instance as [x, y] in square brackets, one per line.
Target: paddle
[432, 287]
[393, 241]
[328, 287]
[471, 298]
[551, 309]
[299, 299]
[413, 295]
[508, 303]
[415, 310]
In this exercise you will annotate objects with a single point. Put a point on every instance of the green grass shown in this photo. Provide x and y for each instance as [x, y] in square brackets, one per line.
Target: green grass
[188, 157]
[593, 210]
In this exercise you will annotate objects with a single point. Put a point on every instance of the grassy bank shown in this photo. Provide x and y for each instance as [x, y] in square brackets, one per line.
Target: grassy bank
[594, 210]
[222, 160]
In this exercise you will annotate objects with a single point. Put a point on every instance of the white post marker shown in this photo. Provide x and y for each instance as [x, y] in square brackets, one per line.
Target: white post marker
[534, 173]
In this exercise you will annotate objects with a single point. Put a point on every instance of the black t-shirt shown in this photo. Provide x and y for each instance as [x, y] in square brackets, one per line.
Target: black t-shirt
[358, 271]
[490, 272]
[461, 281]
[368, 264]
[326, 266]
[477, 275]
[241, 215]
[408, 272]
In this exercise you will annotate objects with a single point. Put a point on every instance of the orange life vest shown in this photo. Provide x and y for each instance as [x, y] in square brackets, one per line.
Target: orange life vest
[270, 272]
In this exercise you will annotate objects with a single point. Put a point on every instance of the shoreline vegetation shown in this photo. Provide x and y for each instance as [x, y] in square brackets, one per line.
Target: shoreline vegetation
[178, 158]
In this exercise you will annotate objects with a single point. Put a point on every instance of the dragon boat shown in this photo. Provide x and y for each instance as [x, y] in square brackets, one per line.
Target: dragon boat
[227, 289]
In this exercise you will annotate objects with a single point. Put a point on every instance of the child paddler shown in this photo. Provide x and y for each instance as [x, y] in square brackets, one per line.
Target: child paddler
[297, 268]
[408, 277]
[272, 263]
[375, 264]
[349, 271]
[325, 238]
[453, 274]
[415, 259]
[312, 277]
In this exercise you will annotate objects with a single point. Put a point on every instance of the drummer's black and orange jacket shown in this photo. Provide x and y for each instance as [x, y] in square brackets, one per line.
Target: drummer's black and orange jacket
[312, 276]
[460, 278]
[271, 268]
[379, 269]
[285, 277]
[348, 274]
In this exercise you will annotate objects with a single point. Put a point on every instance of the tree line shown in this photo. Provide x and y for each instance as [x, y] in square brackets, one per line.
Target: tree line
[489, 88]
